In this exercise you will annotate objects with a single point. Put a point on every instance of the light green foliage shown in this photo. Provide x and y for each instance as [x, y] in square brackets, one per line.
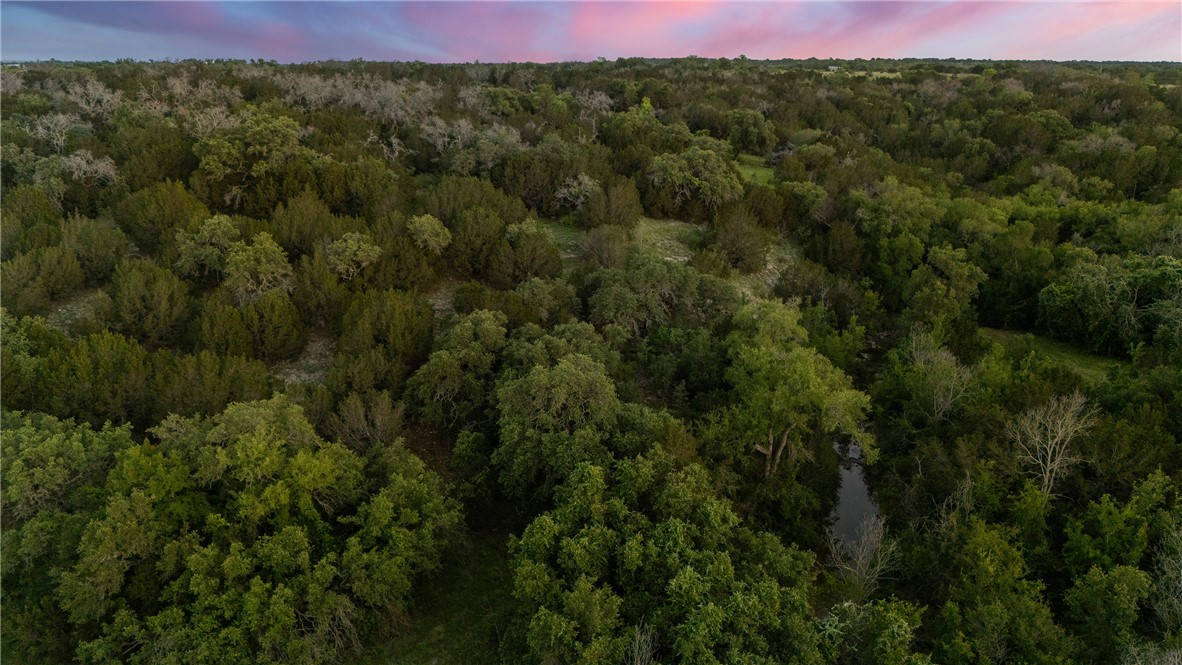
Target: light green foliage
[1104, 607]
[697, 175]
[892, 208]
[51, 465]
[553, 418]
[994, 611]
[53, 472]
[350, 253]
[879, 632]
[428, 233]
[940, 292]
[1108, 534]
[648, 553]
[453, 386]
[247, 538]
[254, 269]
[236, 157]
[205, 251]
[789, 395]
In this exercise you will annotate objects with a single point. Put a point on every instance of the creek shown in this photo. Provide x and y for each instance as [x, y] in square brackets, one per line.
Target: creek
[854, 503]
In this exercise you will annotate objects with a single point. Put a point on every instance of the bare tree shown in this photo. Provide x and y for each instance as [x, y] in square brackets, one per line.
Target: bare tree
[95, 100]
[1044, 434]
[11, 80]
[84, 167]
[868, 559]
[939, 381]
[643, 649]
[1167, 581]
[55, 129]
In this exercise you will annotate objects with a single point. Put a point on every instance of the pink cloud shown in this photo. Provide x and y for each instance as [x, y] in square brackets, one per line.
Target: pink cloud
[584, 29]
[1068, 28]
[640, 28]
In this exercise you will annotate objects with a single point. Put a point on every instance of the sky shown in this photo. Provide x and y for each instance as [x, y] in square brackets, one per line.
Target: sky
[548, 31]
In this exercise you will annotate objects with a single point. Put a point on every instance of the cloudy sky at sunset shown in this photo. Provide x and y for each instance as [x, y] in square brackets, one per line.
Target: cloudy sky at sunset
[584, 30]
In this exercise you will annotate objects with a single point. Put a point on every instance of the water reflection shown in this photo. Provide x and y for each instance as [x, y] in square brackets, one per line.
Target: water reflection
[854, 504]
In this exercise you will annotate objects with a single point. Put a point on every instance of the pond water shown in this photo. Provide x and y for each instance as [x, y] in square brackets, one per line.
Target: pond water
[854, 504]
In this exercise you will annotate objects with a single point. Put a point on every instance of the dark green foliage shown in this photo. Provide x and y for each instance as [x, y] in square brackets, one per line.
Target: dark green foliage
[147, 303]
[28, 220]
[275, 327]
[626, 397]
[749, 131]
[454, 385]
[385, 335]
[96, 245]
[740, 240]
[151, 217]
[994, 611]
[616, 204]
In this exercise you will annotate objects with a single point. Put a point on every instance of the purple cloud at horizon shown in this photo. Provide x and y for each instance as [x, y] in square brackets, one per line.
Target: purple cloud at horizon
[584, 29]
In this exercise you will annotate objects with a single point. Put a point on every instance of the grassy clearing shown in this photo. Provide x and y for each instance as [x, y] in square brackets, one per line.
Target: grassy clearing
[1092, 368]
[863, 72]
[567, 237]
[459, 612]
[674, 240]
[751, 167]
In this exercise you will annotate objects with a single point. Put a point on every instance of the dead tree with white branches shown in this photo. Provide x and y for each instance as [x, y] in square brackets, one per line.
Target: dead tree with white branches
[1044, 435]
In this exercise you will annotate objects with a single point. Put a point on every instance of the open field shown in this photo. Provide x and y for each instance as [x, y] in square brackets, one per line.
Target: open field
[753, 168]
[1091, 367]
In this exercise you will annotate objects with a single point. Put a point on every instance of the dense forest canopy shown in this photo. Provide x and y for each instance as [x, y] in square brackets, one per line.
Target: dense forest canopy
[288, 350]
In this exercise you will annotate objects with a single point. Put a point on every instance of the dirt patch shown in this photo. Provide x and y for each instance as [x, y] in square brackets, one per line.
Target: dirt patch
[441, 298]
[763, 283]
[312, 365]
[64, 313]
[430, 445]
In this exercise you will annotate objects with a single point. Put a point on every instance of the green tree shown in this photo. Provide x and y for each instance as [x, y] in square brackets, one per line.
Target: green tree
[1108, 535]
[1104, 607]
[749, 131]
[98, 246]
[151, 217]
[254, 269]
[696, 175]
[788, 394]
[204, 252]
[454, 386]
[994, 612]
[350, 253]
[54, 472]
[246, 537]
[551, 419]
[645, 559]
[148, 303]
[429, 233]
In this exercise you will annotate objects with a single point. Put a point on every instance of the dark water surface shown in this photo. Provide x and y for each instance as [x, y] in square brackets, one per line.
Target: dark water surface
[854, 504]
